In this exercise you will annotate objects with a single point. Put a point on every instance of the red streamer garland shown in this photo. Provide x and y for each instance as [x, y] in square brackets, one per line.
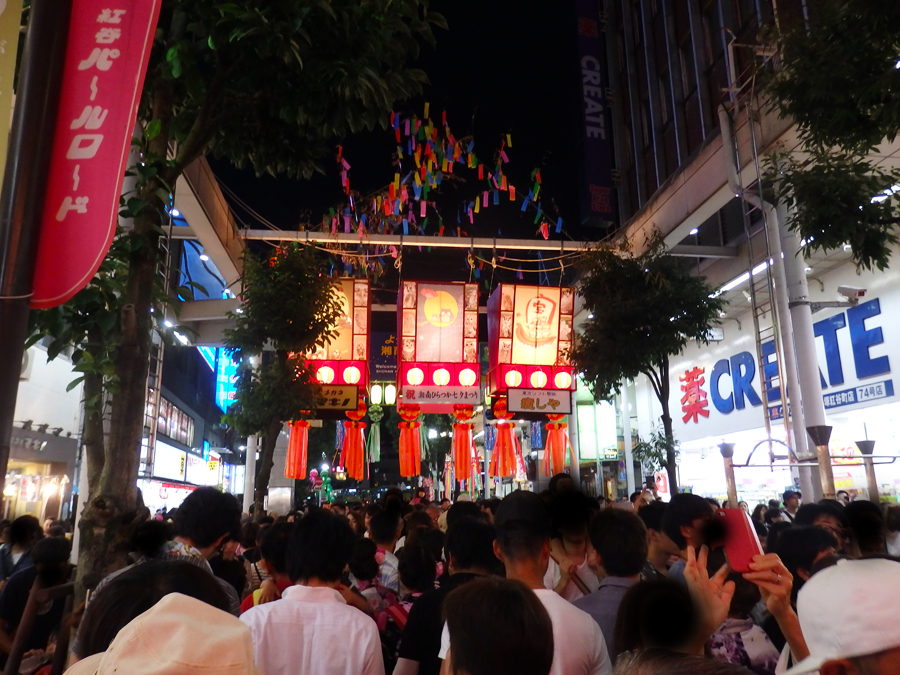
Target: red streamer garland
[295, 464]
[557, 446]
[507, 451]
[353, 450]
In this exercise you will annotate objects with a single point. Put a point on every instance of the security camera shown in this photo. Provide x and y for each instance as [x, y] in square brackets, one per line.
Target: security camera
[852, 293]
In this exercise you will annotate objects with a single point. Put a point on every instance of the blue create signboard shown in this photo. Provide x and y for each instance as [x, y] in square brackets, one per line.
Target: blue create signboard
[851, 374]
[383, 357]
[226, 379]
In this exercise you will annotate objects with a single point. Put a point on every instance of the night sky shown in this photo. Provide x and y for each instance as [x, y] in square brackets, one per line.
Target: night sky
[504, 66]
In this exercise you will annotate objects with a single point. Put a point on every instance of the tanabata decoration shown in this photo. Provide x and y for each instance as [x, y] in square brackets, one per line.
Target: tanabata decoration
[410, 441]
[463, 443]
[352, 450]
[373, 443]
[558, 448]
[295, 463]
[507, 451]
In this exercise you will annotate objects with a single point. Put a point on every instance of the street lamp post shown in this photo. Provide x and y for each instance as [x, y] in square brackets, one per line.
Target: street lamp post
[727, 450]
[866, 448]
[820, 435]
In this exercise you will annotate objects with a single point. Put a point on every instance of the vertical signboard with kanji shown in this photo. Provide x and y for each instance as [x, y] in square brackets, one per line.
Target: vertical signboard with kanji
[438, 332]
[107, 53]
[529, 339]
[342, 363]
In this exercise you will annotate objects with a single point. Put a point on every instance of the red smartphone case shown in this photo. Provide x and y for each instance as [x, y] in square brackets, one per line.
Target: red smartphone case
[740, 540]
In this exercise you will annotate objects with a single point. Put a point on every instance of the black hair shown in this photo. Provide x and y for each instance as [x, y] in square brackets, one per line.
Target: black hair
[470, 542]
[571, 513]
[273, 546]
[620, 538]
[206, 515]
[25, 530]
[652, 515]
[798, 547]
[51, 551]
[809, 513]
[775, 532]
[521, 539]
[266, 520]
[249, 534]
[430, 538]
[653, 661]
[417, 568]
[462, 510]
[372, 509]
[149, 537]
[554, 481]
[771, 514]
[634, 496]
[363, 564]
[867, 523]
[759, 512]
[231, 571]
[320, 547]
[657, 613]
[683, 509]
[487, 619]
[383, 527]
[136, 590]
[418, 519]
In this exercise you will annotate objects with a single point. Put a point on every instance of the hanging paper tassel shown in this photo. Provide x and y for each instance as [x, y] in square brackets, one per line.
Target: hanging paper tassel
[373, 444]
[557, 447]
[410, 441]
[295, 464]
[507, 450]
[352, 455]
[463, 443]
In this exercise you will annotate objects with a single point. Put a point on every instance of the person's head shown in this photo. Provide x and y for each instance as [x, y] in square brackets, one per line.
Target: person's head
[178, 635]
[498, 627]
[561, 482]
[772, 516]
[791, 499]
[51, 559]
[826, 514]
[843, 497]
[417, 569]
[434, 512]
[363, 564]
[370, 511]
[418, 519]
[357, 522]
[429, 538]
[136, 590]
[774, 535]
[319, 548]
[206, 518]
[667, 662]
[24, 531]
[523, 529]
[800, 547]
[865, 640]
[149, 537]
[385, 528]
[470, 546]
[714, 502]
[744, 506]
[445, 504]
[618, 542]
[571, 514]
[652, 517]
[867, 525]
[462, 510]
[686, 519]
[273, 548]
[656, 613]
[759, 513]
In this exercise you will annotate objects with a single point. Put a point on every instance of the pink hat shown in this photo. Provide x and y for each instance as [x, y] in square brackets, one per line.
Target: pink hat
[177, 636]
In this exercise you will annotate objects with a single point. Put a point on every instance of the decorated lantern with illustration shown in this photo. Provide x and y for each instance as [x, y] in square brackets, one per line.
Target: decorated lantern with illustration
[438, 357]
[341, 364]
[530, 334]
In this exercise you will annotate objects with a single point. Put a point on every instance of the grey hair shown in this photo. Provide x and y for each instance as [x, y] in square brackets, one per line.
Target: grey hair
[665, 662]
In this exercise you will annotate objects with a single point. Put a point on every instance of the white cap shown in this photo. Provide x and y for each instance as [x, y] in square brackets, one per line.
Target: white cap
[849, 610]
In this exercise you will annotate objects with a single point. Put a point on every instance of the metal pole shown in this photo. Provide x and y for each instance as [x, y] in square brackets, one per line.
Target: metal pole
[727, 450]
[23, 190]
[250, 472]
[629, 447]
[866, 448]
[821, 435]
[575, 463]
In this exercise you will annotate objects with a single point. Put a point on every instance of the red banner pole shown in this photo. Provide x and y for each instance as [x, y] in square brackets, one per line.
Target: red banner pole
[23, 191]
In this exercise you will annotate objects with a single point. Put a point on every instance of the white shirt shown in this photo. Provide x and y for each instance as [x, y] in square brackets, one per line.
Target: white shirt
[289, 635]
[578, 644]
[389, 572]
[892, 541]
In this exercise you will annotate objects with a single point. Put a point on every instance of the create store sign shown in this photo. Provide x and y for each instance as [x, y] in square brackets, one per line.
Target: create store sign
[854, 369]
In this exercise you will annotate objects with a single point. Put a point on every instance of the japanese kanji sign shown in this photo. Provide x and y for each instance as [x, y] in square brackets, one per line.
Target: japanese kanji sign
[338, 397]
[106, 60]
[441, 395]
[554, 401]
[693, 401]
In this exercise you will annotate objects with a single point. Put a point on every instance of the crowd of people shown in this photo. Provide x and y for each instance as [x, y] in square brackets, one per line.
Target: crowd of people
[531, 584]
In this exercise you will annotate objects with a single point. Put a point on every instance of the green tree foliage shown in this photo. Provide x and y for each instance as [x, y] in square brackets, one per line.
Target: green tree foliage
[289, 306]
[838, 79]
[644, 309]
[267, 85]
